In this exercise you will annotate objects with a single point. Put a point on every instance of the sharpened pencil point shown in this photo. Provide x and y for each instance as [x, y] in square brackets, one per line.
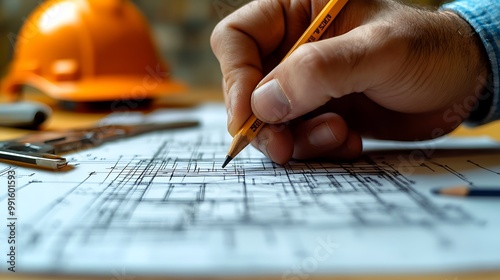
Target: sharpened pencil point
[228, 159]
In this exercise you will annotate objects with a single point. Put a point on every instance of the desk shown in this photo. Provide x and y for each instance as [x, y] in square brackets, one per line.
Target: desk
[64, 120]
[67, 119]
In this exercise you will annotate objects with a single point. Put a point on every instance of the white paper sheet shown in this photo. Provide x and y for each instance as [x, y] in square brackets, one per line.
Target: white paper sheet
[161, 204]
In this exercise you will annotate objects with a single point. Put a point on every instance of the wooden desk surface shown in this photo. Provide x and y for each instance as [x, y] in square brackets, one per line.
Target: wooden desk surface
[62, 119]
[66, 120]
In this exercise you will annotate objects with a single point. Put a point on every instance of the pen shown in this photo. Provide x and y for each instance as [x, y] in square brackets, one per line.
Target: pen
[45, 160]
[253, 125]
[468, 191]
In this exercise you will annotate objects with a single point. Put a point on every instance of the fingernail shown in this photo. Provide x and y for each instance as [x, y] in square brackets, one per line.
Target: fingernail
[322, 135]
[270, 102]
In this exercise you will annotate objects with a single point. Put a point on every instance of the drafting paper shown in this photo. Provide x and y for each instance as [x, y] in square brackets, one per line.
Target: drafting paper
[160, 204]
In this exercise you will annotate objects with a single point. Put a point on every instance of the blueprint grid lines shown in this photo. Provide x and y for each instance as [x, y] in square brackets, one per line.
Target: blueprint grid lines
[164, 196]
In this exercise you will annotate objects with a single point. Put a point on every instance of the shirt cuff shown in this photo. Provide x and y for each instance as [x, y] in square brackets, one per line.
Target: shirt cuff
[483, 17]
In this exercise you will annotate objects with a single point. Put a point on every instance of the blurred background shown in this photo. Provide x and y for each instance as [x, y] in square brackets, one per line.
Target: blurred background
[181, 28]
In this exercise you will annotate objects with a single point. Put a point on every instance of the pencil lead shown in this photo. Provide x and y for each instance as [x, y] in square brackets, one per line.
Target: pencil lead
[228, 159]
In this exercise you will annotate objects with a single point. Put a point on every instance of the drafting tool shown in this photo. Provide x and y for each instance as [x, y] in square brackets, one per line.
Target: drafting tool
[33, 158]
[253, 125]
[42, 149]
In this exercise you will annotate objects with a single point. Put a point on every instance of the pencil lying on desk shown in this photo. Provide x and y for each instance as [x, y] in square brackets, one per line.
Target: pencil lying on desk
[468, 191]
[253, 125]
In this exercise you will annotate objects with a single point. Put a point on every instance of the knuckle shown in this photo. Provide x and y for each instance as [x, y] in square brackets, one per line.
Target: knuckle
[217, 35]
[352, 57]
[312, 60]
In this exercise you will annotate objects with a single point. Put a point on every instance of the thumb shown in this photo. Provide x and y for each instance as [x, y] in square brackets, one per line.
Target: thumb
[312, 75]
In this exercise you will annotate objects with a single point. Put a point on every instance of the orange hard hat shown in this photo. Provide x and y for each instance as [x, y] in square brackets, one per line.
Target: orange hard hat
[88, 50]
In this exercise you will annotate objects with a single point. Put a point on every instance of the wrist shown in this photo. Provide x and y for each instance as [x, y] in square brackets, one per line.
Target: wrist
[474, 52]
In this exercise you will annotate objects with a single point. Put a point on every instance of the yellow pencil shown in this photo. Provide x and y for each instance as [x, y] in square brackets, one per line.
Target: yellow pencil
[253, 125]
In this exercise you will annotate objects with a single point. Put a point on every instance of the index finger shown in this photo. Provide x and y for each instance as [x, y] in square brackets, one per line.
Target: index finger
[249, 43]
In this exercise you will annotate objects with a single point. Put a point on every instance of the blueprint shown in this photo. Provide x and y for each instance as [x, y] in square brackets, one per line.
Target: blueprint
[160, 204]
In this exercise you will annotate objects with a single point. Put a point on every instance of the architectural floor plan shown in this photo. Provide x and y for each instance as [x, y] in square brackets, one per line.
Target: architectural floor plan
[161, 204]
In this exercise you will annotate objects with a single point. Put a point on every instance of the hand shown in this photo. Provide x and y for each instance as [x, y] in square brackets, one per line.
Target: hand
[382, 70]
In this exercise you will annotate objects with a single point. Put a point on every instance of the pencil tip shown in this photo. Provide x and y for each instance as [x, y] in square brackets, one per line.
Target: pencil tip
[228, 159]
[436, 191]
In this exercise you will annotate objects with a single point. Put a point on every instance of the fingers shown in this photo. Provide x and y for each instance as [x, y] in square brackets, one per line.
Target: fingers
[240, 42]
[276, 142]
[314, 74]
[326, 137]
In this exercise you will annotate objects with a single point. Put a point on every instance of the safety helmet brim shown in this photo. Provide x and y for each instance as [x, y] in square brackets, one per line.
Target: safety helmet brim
[104, 88]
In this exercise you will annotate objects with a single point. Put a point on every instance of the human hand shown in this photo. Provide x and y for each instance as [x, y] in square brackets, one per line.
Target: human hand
[382, 70]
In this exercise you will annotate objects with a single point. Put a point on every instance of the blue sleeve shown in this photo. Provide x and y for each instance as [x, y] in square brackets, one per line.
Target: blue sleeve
[484, 17]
